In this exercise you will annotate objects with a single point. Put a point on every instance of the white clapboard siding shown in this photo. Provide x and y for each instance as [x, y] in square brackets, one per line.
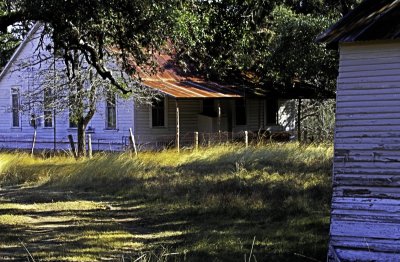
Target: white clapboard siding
[365, 218]
[21, 137]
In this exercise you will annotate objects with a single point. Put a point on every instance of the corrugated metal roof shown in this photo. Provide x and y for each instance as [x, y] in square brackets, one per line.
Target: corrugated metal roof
[169, 80]
[371, 20]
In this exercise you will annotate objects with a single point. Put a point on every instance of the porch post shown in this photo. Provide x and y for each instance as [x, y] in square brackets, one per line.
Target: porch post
[177, 125]
[299, 121]
[219, 120]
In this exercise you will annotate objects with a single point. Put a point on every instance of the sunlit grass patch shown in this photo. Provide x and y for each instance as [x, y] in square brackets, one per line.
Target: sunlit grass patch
[203, 205]
[14, 220]
[55, 206]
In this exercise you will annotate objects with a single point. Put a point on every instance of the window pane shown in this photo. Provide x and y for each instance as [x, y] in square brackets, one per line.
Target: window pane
[208, 108]
[272, 111]
[158, 112]
[240, 106]
[48, 118]
[111, 114]
[15, 110]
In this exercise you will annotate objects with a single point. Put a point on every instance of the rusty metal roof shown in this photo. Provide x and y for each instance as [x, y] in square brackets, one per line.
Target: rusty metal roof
[170, 81]
[371, 20]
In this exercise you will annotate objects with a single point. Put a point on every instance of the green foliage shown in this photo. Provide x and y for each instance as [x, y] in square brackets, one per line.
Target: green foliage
[8, 44]
[293, 54]
[126, 29]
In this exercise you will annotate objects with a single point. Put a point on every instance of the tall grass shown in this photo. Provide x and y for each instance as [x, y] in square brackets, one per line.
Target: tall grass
[224, 195]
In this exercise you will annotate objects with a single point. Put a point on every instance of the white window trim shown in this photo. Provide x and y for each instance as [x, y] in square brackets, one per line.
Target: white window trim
[166, 100]
[106, 128]
[15, 90]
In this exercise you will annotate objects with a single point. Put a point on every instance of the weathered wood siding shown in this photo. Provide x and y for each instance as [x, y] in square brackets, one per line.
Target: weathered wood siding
[365, 218]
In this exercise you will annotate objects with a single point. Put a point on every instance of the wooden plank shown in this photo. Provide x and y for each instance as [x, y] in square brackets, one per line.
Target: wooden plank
[368, 164]
[365, 229]
[370, 85]
[369, 140]
[369, 91]
[366, 255]
[367, 122]
[382, 245]
[371, 116]
[366, 104]
[368, 97]
[361, 110]
[369, 79]
[366, 134]
[368, 68]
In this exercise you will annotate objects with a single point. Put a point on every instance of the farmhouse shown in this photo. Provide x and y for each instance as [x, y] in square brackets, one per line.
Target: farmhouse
[365, 216]
[187, 105]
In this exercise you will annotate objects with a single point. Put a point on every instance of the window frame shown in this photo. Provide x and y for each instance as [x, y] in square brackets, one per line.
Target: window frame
[268, 107]
[15, 109]
[111, 105]
[48, 120]
[244, 114]
[165, 109]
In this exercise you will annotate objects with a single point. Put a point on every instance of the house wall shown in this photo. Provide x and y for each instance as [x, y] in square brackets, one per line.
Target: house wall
[128, 115]
[21, 137]
[365, 218]
[191, 120]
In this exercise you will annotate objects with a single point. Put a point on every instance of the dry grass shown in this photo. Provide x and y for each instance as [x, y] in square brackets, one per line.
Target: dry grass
[204, 205]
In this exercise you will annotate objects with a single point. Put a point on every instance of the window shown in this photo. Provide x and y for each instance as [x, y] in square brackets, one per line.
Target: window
[158, 112]
[240, 110]
[72, 122]
[47, 113]
[111, 113]
[272, 111]
[15, 107]
[48, 118]
[209, 108]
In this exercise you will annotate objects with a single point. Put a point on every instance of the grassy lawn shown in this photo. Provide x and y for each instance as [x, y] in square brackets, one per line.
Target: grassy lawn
[224, 203]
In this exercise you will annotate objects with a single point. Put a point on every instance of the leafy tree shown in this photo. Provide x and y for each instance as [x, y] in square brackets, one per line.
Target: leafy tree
[93, 31]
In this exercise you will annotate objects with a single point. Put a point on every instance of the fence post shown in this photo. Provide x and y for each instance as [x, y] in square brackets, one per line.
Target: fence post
[90, 146]
[132, 140]
[246, 138]
[196, 140]
[72, 144]
[177, 126]
[33, 142]
[305, 135]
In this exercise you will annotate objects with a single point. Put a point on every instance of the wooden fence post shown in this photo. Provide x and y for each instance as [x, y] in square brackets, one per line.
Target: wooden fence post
[196, 140]
[246, 138]
[132, 140]
[177, 127]
[299, 120]
[33, 142]
[90, 149]
[72, 144]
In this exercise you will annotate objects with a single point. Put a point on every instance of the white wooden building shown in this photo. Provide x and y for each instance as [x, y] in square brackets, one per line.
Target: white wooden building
[190, 103]
[365, 214]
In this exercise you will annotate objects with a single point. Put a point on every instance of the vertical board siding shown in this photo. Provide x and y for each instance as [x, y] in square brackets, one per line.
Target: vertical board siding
[365, 218]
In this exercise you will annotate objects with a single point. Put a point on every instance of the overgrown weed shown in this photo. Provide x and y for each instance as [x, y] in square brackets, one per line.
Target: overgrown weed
[221, 197]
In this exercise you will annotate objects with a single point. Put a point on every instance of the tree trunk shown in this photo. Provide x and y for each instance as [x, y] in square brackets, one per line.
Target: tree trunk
[81, 138]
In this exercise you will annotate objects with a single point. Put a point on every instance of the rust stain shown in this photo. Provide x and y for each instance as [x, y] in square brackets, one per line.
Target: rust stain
[169, 80]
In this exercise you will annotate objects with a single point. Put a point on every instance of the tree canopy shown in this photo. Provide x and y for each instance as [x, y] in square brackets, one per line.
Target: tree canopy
[130, 28]
[270, 41]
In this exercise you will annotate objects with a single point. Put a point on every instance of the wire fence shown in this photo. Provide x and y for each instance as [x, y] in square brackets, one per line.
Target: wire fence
[148, 142]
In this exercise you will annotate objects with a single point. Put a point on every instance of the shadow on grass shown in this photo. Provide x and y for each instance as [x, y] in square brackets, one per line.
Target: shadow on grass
[206, 209]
